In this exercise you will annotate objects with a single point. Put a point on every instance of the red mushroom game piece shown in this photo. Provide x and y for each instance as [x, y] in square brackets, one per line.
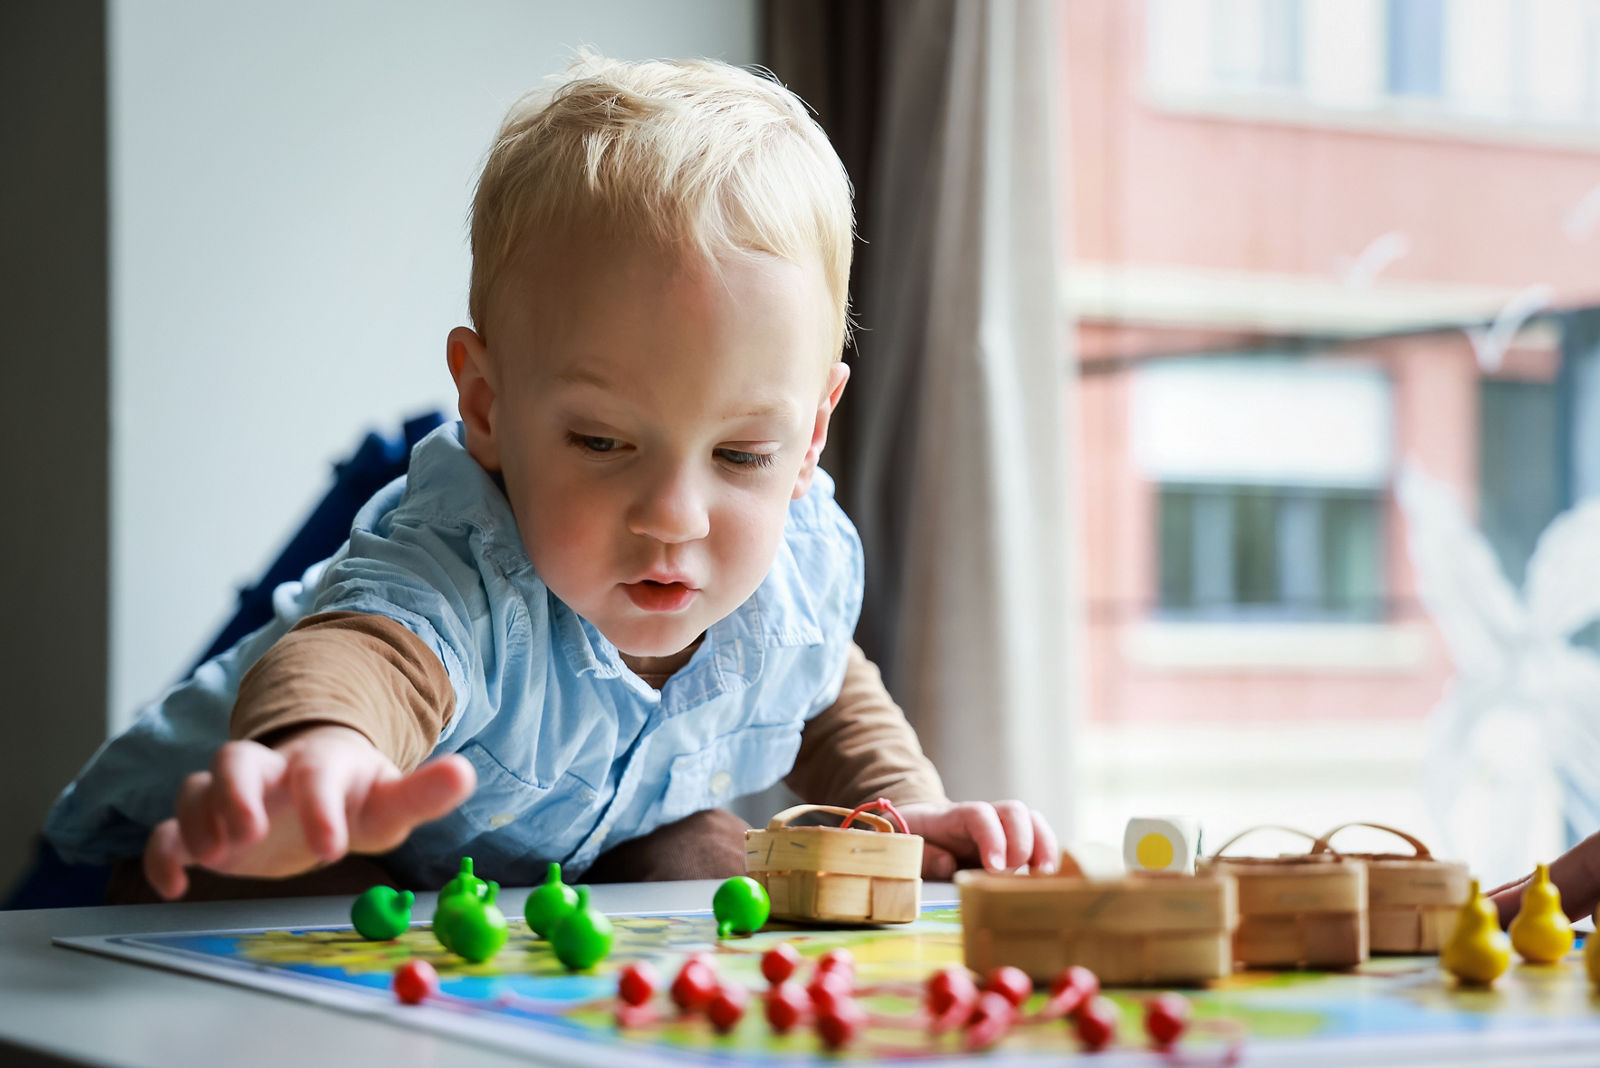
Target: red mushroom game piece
[839, 1022]
[727, 1008]
[991, 1018]
[1165, 1017]
[786, 1003]
[695, 985]
[1011, 983]
[637, 983]
[779, 963]
[949, 997]
[1096, 1023]
[415, 981]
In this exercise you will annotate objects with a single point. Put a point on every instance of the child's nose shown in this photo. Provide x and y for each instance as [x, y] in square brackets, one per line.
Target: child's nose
[670, 508]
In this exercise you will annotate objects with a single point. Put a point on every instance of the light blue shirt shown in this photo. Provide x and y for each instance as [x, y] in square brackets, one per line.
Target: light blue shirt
[574, 752]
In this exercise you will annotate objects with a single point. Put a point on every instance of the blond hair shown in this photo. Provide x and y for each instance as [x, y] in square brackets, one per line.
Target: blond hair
[693, 153]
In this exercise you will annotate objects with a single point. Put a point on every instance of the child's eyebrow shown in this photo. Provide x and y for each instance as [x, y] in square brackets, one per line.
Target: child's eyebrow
[583, 376]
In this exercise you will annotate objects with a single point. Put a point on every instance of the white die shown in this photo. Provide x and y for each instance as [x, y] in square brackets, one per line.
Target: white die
[1167, 843]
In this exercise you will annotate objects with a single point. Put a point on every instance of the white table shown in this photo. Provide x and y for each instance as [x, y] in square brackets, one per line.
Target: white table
[65, 1006]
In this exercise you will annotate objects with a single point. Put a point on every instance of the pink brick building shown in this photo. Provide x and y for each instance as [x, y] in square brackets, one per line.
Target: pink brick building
[1283, 213]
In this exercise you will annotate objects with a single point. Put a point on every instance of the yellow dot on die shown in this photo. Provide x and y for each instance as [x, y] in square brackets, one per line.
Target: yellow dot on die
[1154, 852]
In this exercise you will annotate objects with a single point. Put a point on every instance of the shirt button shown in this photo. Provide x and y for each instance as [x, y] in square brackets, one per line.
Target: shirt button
[720, 782]
[500, 819]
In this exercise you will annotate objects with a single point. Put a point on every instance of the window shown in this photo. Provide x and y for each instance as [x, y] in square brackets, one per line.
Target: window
[1383, 62]
[1415, 48]
[1256, 43]
[1519, 468]
[1270, 553]
[1315, 425]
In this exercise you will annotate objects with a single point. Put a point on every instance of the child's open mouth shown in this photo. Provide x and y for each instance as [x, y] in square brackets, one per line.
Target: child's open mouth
[659, 596]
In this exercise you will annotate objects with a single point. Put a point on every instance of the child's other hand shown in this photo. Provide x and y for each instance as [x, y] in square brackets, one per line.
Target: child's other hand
[1001, 836]
[271, 812]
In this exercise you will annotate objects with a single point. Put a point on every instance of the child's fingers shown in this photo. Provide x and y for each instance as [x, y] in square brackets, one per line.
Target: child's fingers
[394, 806]
[164, 860]
[318, 791]
[242, 773]
[983, 826]
[198, 825]
[1016, 820]
[1046, 849]
[937, 863]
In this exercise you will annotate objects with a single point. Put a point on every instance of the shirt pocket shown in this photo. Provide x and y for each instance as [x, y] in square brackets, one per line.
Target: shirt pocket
[512, 826]
[733, 765]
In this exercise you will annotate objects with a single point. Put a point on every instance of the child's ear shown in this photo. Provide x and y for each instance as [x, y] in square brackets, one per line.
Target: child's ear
[838, 375]
[468, 358]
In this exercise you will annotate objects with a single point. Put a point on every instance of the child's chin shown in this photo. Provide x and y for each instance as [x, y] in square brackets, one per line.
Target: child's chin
[657, 638]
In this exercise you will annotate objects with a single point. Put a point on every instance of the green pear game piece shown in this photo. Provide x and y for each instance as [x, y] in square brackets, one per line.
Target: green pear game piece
[463, 886]
[741, 906]
[464, 882]
[382, 913]
[478, 929]
[582, 937]
[471, 926]
[548, 902]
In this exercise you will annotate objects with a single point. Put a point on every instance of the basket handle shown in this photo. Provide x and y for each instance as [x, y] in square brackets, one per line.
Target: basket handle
[1272, 827]
[1321, 844]
[788, 815]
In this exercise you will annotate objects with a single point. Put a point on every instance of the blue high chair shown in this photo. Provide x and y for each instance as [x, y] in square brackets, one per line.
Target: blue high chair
[51, 882]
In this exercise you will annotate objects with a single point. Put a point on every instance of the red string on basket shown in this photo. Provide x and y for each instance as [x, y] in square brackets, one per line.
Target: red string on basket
[882, 804]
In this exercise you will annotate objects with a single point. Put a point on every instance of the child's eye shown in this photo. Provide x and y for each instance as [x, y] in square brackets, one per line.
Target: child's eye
[740, 458]
[590, 443]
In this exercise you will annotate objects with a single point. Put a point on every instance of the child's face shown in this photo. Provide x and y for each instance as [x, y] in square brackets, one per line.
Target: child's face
[652, 419]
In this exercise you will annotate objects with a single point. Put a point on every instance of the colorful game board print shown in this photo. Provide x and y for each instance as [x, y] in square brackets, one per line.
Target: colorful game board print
[525, 1001]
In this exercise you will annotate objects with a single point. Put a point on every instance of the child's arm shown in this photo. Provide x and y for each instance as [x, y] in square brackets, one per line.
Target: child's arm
[861, 748]
[1576, 873]
[331, 725]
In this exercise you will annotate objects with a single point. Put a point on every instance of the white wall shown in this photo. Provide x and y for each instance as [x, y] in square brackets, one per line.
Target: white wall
[289, 192]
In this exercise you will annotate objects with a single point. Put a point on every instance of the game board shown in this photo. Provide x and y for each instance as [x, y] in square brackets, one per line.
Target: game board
[523, 1000]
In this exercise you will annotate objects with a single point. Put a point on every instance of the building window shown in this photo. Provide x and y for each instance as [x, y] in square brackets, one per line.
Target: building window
[1270, 475]
[1256, 43]
[1270, 553]
[1416, 48]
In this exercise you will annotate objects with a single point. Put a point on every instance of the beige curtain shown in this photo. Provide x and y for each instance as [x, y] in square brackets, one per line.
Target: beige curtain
[952, 460]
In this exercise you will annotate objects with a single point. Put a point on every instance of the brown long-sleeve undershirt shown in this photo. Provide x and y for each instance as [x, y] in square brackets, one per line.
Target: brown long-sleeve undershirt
[371, 674]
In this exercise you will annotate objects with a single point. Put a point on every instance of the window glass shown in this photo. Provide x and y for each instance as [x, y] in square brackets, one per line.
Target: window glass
[1337, 351]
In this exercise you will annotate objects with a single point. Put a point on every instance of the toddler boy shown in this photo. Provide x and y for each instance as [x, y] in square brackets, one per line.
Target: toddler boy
[613, 596]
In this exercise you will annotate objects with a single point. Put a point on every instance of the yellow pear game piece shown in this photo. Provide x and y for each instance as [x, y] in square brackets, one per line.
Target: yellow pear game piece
[1477, 950]
[1541, 933]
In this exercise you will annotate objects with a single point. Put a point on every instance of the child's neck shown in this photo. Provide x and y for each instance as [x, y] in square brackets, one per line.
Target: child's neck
[656, 670]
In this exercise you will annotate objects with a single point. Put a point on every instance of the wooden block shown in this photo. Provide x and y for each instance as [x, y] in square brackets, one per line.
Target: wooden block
[1411, 898]
[1144, 929]
[1298, 911]
[834, 874]
[832, 849]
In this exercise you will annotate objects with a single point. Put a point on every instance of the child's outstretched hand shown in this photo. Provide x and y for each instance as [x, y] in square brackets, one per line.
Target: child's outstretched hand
[320, 793]
[1001, 836]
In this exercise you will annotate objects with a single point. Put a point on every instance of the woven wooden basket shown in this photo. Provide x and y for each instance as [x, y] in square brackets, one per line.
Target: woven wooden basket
[1147, 928]
[1304, 910]
[1412, 899]
[836, 874]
